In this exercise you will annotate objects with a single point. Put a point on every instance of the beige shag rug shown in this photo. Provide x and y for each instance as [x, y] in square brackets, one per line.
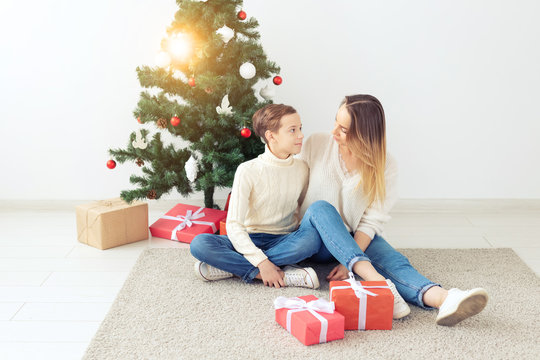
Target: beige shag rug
[164, 312]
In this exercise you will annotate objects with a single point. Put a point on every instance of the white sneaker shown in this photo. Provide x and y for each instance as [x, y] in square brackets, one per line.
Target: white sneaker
[301, 277]
[401, 309]
[206, 272]
[460, 305]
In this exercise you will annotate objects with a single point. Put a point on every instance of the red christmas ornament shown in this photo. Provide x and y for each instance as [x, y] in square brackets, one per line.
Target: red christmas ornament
[278, 80]
[245, 132]
[139, 120]
[191, 82]
[175, 121]
[111, 164]
[242, 15]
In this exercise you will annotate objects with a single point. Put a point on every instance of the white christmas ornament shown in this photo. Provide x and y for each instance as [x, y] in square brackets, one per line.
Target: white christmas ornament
[163, 59]
[267, 92]
[226, 33]
[191, 168]
[247, 70]
[224, 109]
[139, 142]
[178, 75]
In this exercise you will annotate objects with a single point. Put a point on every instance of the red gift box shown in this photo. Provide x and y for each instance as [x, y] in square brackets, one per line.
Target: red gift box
[223, 223]
[184, 222]
[223, 227]
[366, 305]
[309, 319]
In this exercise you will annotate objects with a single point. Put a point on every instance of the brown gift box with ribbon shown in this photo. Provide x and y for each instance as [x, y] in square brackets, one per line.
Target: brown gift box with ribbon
[108, 223]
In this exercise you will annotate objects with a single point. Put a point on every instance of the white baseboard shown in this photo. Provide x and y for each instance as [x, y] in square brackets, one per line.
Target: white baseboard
[402, 206]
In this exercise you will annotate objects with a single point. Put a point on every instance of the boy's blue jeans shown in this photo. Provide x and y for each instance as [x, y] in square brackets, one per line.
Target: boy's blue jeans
[284, 249]
[321, 237]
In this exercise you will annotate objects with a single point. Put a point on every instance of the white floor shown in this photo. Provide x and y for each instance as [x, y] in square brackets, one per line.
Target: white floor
[54, 292]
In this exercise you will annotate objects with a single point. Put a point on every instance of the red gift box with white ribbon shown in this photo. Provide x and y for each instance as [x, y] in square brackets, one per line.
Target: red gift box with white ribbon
[366, 305]
[309, 319]
[184, 222]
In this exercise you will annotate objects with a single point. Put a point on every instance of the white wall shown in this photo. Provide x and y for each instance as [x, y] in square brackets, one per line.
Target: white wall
[459, 81]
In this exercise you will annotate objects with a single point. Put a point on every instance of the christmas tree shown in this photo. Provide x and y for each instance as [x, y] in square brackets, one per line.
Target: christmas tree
[210, 60]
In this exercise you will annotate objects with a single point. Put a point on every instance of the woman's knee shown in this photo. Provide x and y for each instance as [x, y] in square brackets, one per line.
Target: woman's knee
[320, 206]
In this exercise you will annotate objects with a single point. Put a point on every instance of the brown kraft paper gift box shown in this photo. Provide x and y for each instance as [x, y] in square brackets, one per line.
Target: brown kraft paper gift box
[108, 223]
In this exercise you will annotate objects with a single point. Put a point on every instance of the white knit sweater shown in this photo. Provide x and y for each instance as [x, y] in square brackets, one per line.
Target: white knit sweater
[330, 181]
[265, 198]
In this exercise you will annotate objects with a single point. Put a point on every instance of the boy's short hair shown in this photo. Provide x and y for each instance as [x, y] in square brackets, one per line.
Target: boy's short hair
[269, 118]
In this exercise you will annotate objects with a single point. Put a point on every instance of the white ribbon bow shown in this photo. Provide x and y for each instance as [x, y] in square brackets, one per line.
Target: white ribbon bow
[296, 304]
[188, 220]
[361, 293]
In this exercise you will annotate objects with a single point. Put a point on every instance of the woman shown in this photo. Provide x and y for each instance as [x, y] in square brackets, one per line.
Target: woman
[352, 173]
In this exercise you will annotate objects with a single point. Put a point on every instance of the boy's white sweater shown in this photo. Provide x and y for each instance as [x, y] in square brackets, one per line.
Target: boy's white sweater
[265, 198]
[329, 180]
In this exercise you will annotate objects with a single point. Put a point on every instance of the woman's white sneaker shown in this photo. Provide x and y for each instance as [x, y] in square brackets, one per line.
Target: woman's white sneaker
[206, 272]
[401, 309]
[460, 305]
[300, 277]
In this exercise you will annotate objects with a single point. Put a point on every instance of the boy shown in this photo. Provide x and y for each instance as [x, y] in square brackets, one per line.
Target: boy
[262, 223]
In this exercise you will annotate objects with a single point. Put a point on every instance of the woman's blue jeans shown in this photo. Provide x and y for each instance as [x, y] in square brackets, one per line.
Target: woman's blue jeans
[218, 251]
[339, 244]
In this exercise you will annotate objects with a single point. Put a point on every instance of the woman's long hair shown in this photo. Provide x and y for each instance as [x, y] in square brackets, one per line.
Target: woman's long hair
[366, 140]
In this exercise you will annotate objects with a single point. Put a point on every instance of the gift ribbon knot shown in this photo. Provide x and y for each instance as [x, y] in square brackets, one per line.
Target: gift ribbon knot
[296, 304]
[188, 220]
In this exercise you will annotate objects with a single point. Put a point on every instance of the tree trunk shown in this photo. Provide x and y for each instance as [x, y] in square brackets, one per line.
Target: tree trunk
[209, 197]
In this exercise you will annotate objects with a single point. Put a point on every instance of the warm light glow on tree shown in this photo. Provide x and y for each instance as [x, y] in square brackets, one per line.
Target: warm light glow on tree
[180, 46]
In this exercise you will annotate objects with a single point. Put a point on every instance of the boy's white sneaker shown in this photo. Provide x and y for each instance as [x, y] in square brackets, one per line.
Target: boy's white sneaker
[206, 272]
[460, 305]
[300, 277]
[401, 309]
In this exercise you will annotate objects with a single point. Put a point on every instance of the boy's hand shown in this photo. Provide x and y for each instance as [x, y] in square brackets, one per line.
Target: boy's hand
[271, 274]
[339, 272]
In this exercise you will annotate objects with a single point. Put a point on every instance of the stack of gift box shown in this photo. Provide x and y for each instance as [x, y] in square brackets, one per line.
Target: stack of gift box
[353, 305]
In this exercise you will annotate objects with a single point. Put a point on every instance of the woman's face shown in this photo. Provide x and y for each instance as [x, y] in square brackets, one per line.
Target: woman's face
[342, 125]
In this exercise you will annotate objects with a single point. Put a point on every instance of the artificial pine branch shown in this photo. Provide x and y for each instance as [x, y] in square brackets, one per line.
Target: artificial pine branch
[213, 139]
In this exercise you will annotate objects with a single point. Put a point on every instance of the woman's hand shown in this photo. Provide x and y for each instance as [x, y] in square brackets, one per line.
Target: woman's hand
[340, 272]
[271, 274]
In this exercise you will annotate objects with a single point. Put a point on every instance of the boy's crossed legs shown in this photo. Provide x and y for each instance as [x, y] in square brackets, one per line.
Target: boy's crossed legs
[283, 249]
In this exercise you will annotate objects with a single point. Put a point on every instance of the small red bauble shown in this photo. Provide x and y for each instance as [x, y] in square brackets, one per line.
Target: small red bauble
[191, 82]
[139, 120]
[242, 15]
[245, 132]
[175, 121]
[111, 164]
[278, 80]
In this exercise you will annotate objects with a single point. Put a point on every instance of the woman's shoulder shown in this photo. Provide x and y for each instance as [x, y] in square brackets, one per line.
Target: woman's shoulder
[320, 137]
[301, 164]
[317, 142]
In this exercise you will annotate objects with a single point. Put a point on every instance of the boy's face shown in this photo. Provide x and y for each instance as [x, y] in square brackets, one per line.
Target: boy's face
[288, 139]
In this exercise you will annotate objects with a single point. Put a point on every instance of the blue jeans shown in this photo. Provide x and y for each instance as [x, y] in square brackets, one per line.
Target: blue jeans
[339, 244]
[218, 251]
